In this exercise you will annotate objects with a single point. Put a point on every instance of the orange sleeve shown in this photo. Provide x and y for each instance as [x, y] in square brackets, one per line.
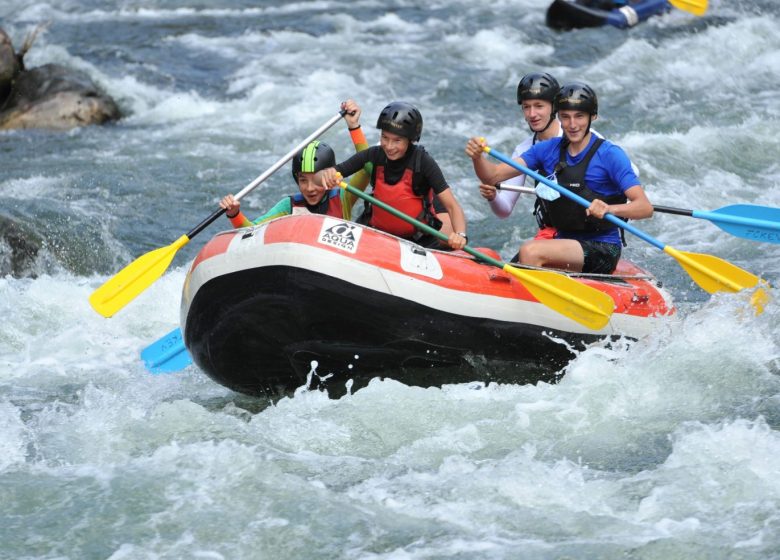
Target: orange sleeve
[239, 220]
[358, 139]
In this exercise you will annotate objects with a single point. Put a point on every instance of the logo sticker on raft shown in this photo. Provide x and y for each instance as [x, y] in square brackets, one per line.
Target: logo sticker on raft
[342, 235]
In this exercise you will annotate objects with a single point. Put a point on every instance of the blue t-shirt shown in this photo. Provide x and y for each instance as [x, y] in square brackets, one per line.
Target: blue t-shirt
[609, 173]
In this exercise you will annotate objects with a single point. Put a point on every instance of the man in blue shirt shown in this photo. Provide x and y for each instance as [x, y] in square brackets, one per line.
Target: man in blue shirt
[592, 167]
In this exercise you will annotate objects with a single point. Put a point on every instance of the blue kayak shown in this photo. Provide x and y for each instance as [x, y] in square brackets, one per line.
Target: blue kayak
[573, 14]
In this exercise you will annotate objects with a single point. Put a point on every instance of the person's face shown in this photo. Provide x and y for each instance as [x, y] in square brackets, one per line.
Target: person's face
[311, 192]
[537, 113]
[575, 124]
[394, 146]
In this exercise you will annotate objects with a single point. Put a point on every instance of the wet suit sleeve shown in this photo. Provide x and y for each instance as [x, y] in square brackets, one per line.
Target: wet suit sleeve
[505, 201]
[240, 220]
[360, 179]
[281, 208]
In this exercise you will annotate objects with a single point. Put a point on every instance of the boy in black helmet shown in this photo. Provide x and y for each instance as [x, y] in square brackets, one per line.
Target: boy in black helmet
[536, 92]
[311, 197]
[405, 177]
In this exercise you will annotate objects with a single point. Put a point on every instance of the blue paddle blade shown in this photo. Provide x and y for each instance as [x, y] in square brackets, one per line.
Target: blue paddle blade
[167, 355]
[757, 223]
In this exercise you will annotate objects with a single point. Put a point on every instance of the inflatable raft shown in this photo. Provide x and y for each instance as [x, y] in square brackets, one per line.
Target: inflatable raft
[573, 14]
[264, 306]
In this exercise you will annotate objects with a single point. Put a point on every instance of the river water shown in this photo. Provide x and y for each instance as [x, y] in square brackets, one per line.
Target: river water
[667, 448]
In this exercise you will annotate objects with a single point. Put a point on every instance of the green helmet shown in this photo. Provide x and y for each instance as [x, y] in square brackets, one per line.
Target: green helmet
[316, 156]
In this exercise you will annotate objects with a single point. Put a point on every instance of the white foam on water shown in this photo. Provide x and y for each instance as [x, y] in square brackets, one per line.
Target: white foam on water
[13, 435]
[714, 473]
[34, 187]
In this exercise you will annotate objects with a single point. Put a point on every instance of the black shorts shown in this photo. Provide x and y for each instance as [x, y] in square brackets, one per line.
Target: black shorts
[600, 257]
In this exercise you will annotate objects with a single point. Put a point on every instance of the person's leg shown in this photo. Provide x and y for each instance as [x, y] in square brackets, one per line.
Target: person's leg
[600, 257]
[565, 254]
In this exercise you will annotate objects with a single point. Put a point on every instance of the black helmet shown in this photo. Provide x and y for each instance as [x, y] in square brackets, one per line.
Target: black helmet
[537, 85]
[401, 118]
[316, 156]
[576, 96]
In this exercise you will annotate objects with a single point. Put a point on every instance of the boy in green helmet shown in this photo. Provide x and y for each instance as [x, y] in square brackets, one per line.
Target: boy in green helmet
[312, 198]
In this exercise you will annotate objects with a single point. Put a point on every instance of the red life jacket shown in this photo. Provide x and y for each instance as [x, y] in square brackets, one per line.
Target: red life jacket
[330, 205]
[402, 197]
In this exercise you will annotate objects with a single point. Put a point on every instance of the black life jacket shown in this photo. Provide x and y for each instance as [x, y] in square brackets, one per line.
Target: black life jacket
[565, 214]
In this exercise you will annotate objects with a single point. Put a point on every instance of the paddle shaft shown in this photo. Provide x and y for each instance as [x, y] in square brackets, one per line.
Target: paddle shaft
[267, 173]
[721, 216]
[416, 223]
[575, 197]
[134, 278]
[709, 272]
[578, 302]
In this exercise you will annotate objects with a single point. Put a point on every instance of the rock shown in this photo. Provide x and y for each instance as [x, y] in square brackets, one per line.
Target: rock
[55, 97]
[49, 96]
[19, 250]
[9, 66]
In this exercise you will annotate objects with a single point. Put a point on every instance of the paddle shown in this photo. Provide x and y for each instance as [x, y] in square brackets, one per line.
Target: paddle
[167, 354]
[583, 304]
[710, 273]
[129, 282]
[695, 7]
[749, 221]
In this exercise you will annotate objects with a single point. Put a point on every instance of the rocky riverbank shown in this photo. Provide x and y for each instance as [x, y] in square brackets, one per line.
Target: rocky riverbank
[50, 96]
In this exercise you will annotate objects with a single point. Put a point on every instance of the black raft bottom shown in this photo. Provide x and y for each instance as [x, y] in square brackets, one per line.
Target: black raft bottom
[258, 332]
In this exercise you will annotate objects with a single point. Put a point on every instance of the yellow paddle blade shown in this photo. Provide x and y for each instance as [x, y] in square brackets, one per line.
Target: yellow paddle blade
[716, 275]
[713, 274]
[133, 279]
[695, 7]
[578, 302]
[760, 298]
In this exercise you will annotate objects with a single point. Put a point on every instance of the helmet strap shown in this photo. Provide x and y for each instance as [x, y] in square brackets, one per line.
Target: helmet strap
[552, 118]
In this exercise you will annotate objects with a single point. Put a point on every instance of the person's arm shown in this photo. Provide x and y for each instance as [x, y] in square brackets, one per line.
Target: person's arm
[622, 174]
[489, 173]
[281, 208]
[637, 207]
[434, 178]
[233, 211]
[501, 202]
[457, 217]
[329, 177]
[360, 179]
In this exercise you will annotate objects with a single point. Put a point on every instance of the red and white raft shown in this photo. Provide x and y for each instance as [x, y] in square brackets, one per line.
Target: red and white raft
[261, 304]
